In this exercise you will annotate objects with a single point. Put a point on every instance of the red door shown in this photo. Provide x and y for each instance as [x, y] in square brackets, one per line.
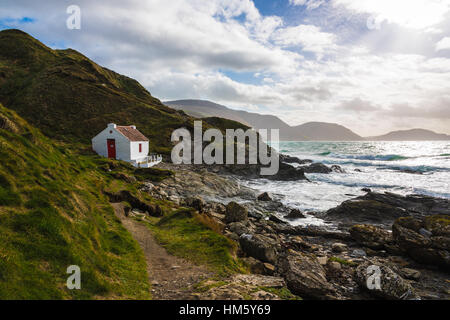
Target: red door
[111, 148]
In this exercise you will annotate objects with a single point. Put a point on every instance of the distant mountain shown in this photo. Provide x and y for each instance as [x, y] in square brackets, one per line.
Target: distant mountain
[321, 131]
[411, 135]
[313, 131]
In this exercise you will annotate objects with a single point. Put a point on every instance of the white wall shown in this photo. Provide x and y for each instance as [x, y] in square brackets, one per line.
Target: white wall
[135, 154]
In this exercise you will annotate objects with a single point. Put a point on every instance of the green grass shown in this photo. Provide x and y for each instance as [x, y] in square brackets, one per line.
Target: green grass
[184, 235]
[283, 293]
[343, 261]
[53, 215]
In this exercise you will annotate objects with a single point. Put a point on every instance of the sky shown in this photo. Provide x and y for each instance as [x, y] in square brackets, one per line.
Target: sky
[371, 65]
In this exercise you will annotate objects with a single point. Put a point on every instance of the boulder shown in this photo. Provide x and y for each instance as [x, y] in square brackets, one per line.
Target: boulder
[370, 236]
[295, 214]
[365, 212]
[264, 197]
[235, 213]
[287, 172]
[410, 274]
[259, 247]
[391, 285]
[431, 247]
[304, 275]
[196, 202]
[339, 247]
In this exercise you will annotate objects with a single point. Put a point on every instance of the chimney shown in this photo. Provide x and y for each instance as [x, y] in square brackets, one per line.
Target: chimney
[112, 125]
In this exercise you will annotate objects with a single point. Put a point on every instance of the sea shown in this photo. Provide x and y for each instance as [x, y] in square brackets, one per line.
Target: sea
[399, 167]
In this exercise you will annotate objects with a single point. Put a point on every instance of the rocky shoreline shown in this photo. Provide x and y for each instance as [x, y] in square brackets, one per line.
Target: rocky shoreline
[406, 238]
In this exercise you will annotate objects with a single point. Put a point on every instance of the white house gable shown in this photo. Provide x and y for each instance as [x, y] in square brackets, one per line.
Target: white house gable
[124, 143]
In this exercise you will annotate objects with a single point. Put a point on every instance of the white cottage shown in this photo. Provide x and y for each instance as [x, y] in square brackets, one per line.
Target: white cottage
[124, 143]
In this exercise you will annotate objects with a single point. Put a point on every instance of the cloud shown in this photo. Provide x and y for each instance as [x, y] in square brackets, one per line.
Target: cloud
[308, 37]
[357, 105]
[416, 14]
[326, 65]
[444, 44]
[310, 4]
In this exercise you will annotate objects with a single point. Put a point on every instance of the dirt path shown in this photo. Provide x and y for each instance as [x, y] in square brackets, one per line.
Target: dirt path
[172, 278]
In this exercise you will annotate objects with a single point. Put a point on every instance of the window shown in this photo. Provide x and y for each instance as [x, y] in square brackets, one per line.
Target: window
[140, 147]
[110, 131]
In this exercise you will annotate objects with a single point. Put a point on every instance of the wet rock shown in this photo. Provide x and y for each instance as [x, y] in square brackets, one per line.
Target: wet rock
[337, 169]
[391, 285]
[235, 213]
[317, 168]
[431, 248]
[259, 247]
[304, 275]
[365, 211]
[289, 159]
[264, 197]
[295, 214]
[287, 172]
[370, 236]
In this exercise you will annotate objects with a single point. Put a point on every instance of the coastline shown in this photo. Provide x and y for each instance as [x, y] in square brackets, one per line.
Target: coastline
[328, 261]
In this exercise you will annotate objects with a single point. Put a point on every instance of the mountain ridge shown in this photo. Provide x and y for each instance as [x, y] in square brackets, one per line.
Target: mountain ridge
[310, 131]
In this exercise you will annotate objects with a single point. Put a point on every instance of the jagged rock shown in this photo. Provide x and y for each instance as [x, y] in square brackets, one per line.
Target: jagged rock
[370, 236]
[304, 275]
[431, 248]
[238, 227]
[235, 213]
[264, 197]
[259, 247]
[337, 169]
[391, 285]
[287, 172]
[365, 211]
[295, 214]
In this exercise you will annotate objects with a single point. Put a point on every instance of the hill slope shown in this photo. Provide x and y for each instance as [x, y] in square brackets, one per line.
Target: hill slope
[69, 97]
[53, 215]
[411, 135]
[313, 131]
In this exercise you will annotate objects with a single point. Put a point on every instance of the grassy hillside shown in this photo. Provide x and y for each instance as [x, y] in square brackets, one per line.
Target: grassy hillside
[71, 98]
[53, 215]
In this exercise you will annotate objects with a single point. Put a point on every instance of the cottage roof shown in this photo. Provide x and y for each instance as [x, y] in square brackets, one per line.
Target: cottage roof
[131, 133]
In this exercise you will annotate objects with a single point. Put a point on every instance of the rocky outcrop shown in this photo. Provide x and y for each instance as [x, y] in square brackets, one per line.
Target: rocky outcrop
[264, 197]
[287, 172]
[321, 168]
[289, 159]
[426, 240]
[135, 202]
[259, 247]
[384, 208]
[235, 213]
[370, 236]
[365, 212]
[294, 215]
[391, 286]
[304, 275]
